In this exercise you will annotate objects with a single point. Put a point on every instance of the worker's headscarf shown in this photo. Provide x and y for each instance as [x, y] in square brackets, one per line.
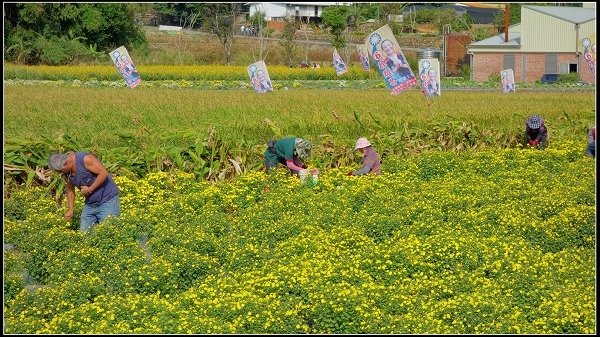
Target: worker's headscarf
[535, 121]
[303, 148]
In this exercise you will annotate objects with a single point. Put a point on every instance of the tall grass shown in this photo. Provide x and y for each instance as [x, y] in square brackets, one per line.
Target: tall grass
[96, 116]
[174, 72]
[220, 134]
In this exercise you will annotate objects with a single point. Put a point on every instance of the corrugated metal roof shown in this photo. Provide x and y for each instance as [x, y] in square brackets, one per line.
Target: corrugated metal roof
[481, 5]
[514, 40]
[414, 8]
[570, 14]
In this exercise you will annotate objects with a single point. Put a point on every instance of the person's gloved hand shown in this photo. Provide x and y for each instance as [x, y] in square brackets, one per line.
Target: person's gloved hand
[349, 173]
[531, 142]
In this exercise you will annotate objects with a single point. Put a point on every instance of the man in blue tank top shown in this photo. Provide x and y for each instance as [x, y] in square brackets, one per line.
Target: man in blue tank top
[85, 171]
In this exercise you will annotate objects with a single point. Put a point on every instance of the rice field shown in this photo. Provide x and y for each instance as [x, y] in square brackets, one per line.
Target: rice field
[94, 115]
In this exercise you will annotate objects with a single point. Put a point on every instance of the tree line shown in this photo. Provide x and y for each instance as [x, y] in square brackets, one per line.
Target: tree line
[73, 33]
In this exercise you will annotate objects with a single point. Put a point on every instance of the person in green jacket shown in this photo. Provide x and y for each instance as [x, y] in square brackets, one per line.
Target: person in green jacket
[290, 152]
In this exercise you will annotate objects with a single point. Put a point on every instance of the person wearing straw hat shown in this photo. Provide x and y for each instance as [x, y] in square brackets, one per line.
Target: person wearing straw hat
[290, 152]
[84, 170]
[371, 162]
[536, 132]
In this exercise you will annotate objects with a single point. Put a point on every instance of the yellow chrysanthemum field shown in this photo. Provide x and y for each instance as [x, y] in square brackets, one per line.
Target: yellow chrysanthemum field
[485, 242]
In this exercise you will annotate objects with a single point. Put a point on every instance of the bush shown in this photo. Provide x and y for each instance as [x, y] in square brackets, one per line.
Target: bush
[569, 78]
[481, 34]
[59, 50]
[465, 72]
[495, 77]
[13, 283]
[426, 15]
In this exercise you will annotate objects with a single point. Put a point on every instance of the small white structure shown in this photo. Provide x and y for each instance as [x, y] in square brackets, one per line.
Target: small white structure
[276, 11]
[169, 28]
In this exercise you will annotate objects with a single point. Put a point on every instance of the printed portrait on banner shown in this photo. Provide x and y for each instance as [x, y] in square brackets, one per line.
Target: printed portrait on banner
[429, 78]
[338, 63]
[389, 60]
[123, 62]
[364, 58]
[508, 80]
[589, 51]
[260, 77]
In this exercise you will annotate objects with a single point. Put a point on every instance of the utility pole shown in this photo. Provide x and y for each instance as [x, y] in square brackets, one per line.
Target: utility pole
[506, 21]
[446, 31]
[306, 56]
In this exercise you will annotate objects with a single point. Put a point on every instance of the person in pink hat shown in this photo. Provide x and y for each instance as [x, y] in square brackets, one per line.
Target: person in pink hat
[371, 162]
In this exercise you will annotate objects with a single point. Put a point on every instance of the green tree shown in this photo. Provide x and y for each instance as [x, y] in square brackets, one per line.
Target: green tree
[356, 14]
[369, 10]
[514, 17]
[140, 8]
[335, 18]
[390, 8]
[448, 16]
[259, 24]
[64, 33]
[187, 14]
[257, 19]
[219, 18]
[290, 48]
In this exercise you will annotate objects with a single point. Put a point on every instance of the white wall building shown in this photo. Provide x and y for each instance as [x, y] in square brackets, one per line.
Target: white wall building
[276, 11]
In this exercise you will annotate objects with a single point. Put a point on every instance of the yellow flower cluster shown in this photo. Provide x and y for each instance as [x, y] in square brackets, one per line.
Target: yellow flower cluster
[486, 242]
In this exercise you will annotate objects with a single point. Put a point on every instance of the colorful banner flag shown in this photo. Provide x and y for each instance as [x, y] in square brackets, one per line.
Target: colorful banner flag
[389, 60]
[589, 51]
[429, 77]
[364, 58]
[123, 62]
[508, 80]
[338, 63]
[260, 77]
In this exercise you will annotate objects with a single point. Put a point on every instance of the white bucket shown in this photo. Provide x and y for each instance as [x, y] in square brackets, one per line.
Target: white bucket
[303, 174]
[315, 176]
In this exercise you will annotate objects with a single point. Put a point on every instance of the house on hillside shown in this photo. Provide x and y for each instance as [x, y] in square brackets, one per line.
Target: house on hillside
[308, 12]
[547, 40]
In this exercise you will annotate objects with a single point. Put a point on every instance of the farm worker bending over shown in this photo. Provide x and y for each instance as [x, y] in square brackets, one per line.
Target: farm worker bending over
[289, 152]
[371, 162]
[536, 132]
[85, 171]
[591, 148]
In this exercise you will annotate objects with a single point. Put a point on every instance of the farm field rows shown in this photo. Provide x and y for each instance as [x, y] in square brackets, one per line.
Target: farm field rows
[464, 232]
[36, 111]
[159, 129]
